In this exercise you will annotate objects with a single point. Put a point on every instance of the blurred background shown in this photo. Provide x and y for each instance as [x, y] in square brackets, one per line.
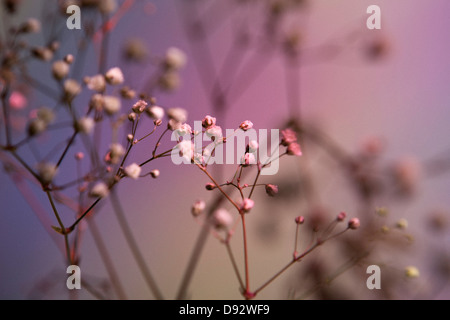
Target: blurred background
[359, 87]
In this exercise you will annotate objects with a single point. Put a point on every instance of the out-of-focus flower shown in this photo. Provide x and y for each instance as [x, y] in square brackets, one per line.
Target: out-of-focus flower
[288, 136]
[247, 205]
[155, 112]
[177, 114]
[294, 149]
[412, 272]
[60, 69]
[47, 172]
[114, 76]
[71, 88]
[85, 125]
[175, 58]
[135, 50]
[111, 104]
[271, 189]
[354, 223]
[198, 207]
[17, 100]
[99, 190]
[32, 25]
[96, 83]
[406, 173]
[222, 219]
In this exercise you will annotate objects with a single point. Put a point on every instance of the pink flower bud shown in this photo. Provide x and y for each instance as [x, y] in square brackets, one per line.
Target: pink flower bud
[139, 106]
[271, 189]
[288, 136]
[341, 216]
[293, 149]
[210, 186]
[354, 223]
[247, 205]
[208, 122]
[299, 220]
[246, 125]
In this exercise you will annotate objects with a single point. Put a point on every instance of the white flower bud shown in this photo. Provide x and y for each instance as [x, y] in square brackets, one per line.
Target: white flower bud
[133, 171]
[60, 69]
[175, 58]
[222, 219]
[71, 88]
[47, 172]
[111, 104]
[99, 190]
[114, 76]
[154, 173]
[155, 112]
[85, 125]
[198, 207]
[177, 114]
[96, 83]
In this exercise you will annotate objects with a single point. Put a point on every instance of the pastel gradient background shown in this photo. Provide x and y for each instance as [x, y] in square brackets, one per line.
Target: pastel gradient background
[403, 98]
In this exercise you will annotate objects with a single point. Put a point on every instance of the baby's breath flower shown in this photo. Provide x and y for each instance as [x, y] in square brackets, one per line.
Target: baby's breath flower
[175, 58]
[248, 159]
[198, 207]
[246, 125]
[116, 151]
[253, 145]
[169, 81]
[186, 148]
[107, 6]
[210, 186]
[154, 173]
[183, 130]
[299, 220]
[96, 83]
[99, 190]
[247, 205]
[17, 100]
[271, 189]
[47, 172]
[208, 122]
[111, 104]
[36, 126]
[222, 219]
[32, 25]
[354, 223]
[341, 216]
[135, 50]
[85, 125]
[132, 116]
[155, 112]
[177, 114]
[69, 59]
[214, 132]
[139, 106]
[96, 102]
[294, 149]
[133, 170]
[42, 53]
[71, 88]
[60, 69]
[288, 136]
[114, 76]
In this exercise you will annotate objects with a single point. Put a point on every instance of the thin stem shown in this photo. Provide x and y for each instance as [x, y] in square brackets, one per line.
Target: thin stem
[233, 262]
[72, 139]
[134, 247]
[6, 115]
[244, 232]
[61, 225]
